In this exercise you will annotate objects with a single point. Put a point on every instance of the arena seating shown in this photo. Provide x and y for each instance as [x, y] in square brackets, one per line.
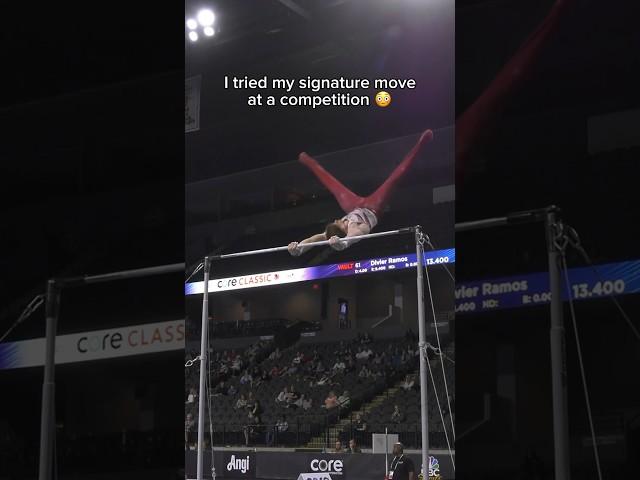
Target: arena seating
[229, 422]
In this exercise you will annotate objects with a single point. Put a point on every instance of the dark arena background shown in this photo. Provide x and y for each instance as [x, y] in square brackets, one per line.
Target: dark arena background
[532, 103]
[565, 134]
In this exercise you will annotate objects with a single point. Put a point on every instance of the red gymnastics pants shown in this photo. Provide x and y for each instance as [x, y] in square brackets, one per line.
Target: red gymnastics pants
[377, 200]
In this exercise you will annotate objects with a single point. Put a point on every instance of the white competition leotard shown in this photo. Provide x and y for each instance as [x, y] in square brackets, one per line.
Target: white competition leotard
[362, 215]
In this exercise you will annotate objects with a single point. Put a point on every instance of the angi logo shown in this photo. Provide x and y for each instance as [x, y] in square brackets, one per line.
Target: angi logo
[239, 464]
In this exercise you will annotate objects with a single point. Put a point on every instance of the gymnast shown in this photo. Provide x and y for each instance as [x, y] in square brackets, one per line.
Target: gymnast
[362, 213]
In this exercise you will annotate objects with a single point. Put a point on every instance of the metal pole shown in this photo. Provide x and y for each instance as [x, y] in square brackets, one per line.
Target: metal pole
[48, 416]
[558, 356]
[204, 358]
[424, 410]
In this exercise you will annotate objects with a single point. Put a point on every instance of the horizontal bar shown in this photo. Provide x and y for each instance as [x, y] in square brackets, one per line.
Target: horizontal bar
[478, 224]
[313, 244]
[528, 216]
[122, 275]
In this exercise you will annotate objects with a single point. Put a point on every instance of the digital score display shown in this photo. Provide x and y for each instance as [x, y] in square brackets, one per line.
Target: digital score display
[533, 289]
[359, 267]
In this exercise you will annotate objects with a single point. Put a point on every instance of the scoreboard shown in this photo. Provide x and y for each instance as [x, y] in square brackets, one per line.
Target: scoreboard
[533, 289]
[319, 272]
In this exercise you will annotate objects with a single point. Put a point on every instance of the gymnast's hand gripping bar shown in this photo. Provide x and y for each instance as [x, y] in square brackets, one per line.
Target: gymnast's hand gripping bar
[314, 244]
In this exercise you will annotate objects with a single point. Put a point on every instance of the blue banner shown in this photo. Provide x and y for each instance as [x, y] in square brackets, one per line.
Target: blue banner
[533, 289]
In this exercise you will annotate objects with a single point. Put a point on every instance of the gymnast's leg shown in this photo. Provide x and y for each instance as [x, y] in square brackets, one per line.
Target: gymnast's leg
[478, 119]
[345, 197]
[378, 199]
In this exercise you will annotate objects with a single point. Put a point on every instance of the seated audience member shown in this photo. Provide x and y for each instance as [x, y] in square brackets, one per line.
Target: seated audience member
[307, 404]
[331, 401]
[241, 402]
[344, 401]
[339, 366]
[338, 448]
[364, 372]
[275, 372]
[397, 416]
[281, 427]
[300, 401]
[292, 397]
[193, 394]
[236, 366]
[408, 383]
[232, 391]
[251, 428]
[275, 355]
[359, 424]
[353, 447]
[282, 396]
[220, 389]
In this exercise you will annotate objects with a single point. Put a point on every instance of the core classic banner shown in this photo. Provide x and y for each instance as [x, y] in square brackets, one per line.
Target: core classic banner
[96, 345]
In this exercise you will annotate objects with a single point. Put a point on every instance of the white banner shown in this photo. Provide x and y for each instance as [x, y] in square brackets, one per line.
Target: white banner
[192, 104]
[96, 345]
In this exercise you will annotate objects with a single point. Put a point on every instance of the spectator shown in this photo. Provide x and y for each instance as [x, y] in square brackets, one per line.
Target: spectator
[300, 401]
[250, 401]
[281, 427]
[251, 428]
[366, 339]
[359, 424]
[221, 389]
[307, 404]
[291, 371]
[241, 403]
[319, 367]
[331, 401]
[264, 376]
[275, 372]
[189, 424]
[282, 396]
[245, 378]
[292, 397]
[193, 394]
[344, 401]
[408, 383]
[236, 365]
[338, 448]
[275, 355]
[297, 360]
[257, 408]
[397, 416]
[339, 366]
[364, 372]
[353, 447]
[232, 391]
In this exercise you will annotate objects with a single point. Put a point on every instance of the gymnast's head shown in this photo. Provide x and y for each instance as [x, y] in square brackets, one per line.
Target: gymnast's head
[337, 228]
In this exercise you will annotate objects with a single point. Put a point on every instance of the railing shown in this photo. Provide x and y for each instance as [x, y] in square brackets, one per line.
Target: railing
[300, 432]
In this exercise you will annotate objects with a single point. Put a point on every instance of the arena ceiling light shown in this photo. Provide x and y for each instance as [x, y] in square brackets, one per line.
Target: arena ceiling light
[201, 23]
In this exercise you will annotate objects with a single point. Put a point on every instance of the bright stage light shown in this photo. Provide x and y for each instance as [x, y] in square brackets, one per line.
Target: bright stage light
[192, 24]
[193, 36]
[206, 17]
[209, 31]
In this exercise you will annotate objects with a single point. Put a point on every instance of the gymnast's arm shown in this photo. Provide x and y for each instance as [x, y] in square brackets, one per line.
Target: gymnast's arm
[353, 230]
[296, 248]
